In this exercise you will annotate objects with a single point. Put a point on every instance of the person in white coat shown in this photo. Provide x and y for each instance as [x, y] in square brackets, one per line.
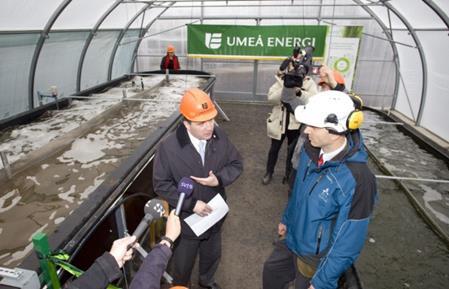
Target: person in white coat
[281, 124]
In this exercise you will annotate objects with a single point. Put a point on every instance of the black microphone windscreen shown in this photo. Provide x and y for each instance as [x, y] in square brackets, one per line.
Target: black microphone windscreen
[154, 208]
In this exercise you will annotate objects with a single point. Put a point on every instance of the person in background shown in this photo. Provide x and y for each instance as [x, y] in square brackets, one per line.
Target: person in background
[282, 124]
[198, 149]
[291, 79]
[330, 79]
[170, 61]
[106, 268]
[325, 223]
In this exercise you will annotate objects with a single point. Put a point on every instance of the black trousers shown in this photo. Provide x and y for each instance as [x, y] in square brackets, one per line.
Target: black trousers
[185, 254]
[280, 269]
[292, 136]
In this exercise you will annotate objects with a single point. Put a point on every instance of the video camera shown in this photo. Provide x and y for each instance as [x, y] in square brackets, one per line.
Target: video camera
[301, 68]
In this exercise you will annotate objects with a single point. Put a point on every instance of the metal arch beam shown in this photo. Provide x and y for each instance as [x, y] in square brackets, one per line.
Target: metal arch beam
[120, 37]
[143, 32]
[438, 11]
[252, 17]
[38, 49]
[423, 60]
[89, 41]
[392, 43]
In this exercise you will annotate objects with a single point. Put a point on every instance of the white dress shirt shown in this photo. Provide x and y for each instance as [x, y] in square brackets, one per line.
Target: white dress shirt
[199, 145]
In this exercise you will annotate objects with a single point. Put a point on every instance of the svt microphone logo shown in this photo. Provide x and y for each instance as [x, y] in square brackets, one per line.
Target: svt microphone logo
[213, 40]
[186, 185]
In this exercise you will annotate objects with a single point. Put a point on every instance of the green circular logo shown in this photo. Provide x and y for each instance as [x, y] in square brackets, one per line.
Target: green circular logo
[342, 64]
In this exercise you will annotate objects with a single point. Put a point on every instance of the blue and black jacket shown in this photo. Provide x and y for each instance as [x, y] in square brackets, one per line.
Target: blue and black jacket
[328, 213]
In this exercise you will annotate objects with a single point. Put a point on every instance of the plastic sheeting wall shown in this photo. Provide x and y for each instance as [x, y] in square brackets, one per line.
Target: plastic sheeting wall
[96, 63]
[437, 101]
[58, 63]
[410, 87]
[123, 57]
[16, 51]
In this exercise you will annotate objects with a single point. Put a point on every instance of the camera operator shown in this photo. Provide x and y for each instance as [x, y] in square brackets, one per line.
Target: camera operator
[291, 79]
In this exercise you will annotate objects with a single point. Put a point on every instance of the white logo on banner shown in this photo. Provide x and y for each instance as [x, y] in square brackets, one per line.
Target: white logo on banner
[213, 40]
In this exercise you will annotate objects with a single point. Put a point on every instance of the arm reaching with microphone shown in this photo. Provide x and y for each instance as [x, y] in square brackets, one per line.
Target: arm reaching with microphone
[106, 268]
[150, 273]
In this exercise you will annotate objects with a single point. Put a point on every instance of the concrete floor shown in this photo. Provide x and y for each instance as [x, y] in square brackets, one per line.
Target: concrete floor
[255, 209]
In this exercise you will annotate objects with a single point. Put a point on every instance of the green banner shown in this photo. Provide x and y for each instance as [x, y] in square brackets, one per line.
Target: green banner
[253, 42]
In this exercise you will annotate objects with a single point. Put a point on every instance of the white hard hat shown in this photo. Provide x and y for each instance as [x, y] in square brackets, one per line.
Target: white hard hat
[328, 109]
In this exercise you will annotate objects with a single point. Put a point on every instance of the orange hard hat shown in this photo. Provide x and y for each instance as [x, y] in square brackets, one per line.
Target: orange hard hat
[170, 48]
[338, 77]
[196, 105]
[179, 287]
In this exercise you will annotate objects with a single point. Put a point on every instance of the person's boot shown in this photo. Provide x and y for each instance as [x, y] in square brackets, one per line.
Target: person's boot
[267, 178]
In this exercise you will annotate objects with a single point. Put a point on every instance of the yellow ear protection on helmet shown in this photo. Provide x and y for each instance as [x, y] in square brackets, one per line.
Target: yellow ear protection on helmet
[355, 118]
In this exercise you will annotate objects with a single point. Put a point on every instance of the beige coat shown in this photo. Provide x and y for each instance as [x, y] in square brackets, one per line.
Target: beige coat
[277, 118]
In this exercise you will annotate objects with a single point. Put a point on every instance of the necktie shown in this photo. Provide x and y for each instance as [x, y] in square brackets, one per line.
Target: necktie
[320, 160]
[202, 149]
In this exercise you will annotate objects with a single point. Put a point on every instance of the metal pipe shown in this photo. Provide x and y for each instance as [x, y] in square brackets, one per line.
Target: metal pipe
[393, 47]
[195, 75]
[422, 57]
[436, 228]
[106, 97]
[438, 11]
[38, 49]
[412, 179]
[88, 41]
[384, 122]
[245, 17]
[6, 165]
[142, 34]
[120, 37]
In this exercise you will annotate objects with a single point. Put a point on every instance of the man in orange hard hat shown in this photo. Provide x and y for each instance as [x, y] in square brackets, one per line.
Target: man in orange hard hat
[170, 60]
[200, 150]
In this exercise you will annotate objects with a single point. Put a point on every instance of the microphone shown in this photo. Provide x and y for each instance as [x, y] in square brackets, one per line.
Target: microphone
[185, 189]
[153, 210]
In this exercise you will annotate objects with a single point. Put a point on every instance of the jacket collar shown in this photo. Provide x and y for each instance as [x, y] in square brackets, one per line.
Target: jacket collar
[353, 152]
[183, 137]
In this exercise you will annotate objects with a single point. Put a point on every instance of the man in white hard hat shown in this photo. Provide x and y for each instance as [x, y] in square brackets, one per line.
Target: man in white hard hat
[325, 224]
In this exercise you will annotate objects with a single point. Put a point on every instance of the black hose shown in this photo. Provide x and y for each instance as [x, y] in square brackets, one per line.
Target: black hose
[103, 217]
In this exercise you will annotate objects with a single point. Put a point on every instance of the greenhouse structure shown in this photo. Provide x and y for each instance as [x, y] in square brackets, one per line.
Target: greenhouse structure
[105, 107]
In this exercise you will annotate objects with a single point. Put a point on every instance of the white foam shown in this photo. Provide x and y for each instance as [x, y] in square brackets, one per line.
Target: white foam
[59, 220]
[98, 180]
[66, 196]
[33, 179]
[52, 215]
[18, 255]
[14, 194]
[431, 195]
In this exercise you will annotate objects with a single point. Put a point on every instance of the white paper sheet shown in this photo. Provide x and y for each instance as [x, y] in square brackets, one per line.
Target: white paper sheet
[200, 224]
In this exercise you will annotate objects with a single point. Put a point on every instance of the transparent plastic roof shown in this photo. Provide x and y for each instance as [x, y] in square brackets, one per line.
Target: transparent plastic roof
[76, 16]
[25, 14]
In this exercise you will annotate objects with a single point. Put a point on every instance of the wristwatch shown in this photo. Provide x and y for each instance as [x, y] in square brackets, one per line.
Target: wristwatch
[165, 238]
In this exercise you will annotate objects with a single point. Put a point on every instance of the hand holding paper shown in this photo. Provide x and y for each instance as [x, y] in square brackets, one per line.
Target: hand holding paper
[200, 224]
